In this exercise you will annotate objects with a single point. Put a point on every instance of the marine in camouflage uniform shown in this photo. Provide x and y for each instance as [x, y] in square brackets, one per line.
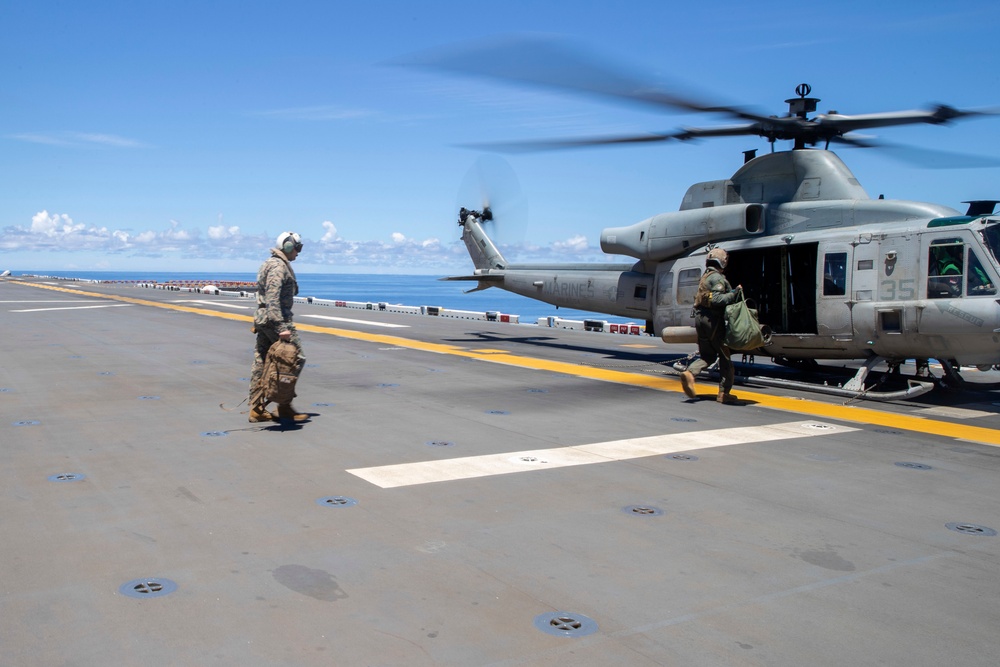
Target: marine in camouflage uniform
[276, 290]
[714, 294]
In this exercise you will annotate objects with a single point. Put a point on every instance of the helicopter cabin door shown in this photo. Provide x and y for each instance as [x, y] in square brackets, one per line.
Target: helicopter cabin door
[780, 281]
[833, 303]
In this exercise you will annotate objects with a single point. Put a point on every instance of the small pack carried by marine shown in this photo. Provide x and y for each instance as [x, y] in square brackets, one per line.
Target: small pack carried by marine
[281, 371]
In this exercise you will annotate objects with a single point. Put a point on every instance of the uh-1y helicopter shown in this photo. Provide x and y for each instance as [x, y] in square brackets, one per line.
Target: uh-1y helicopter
[834, 273]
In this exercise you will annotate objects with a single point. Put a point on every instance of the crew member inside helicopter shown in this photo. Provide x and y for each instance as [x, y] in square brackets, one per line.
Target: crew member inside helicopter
[945, 276]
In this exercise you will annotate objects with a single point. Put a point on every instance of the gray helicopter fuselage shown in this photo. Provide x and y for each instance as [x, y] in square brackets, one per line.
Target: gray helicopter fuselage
[832, 272]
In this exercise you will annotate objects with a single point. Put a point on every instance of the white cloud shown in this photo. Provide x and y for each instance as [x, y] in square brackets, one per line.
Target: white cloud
[53, 225]
[77, 139]
[330, 235]
[573, 244]
[198, 249]
[222, 232]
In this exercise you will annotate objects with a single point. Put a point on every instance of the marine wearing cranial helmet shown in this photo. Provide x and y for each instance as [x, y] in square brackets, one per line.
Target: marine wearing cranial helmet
[276, 290]
[714, 294]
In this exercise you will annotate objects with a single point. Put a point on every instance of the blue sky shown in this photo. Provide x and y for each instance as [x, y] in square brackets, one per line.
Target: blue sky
[187, 135]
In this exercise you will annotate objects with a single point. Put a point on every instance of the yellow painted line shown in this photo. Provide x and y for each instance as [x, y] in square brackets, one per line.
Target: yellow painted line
[808, 407]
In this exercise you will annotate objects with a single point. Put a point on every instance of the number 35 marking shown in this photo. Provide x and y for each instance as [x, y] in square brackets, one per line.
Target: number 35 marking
[902, 290]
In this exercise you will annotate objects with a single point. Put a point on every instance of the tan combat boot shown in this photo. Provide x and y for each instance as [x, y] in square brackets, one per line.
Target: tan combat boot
[687, 382]
[726, 398]
[287, 413]
[259, 414]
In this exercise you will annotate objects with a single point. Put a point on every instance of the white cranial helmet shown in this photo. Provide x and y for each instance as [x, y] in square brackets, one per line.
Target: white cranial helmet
[289, 241]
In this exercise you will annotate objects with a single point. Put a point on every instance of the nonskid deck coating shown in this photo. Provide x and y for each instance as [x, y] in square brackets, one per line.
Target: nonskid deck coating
[812, 550]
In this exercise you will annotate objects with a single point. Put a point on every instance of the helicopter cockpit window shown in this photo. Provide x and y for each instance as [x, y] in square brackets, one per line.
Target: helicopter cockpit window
[945, 269]
[835, 274]
[687, 285]
[979, 282]
[992, 237]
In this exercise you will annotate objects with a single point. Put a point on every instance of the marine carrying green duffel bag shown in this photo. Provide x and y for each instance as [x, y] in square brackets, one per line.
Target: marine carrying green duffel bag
[743, 330]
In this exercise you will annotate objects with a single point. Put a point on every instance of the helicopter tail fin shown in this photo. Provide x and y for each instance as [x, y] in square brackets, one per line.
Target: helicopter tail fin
[483, 251]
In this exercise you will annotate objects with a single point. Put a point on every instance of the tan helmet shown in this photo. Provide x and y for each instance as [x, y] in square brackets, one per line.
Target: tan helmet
[719, 256]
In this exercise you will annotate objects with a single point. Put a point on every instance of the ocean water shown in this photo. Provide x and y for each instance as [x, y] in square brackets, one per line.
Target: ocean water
[396, 289]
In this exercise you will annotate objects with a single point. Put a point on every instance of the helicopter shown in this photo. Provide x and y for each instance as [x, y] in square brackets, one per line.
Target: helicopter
[832, 272]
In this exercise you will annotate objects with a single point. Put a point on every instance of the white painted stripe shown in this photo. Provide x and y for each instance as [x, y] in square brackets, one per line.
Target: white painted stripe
[426, 472]
[953, 412]
[214, 303]
[350, 321]
[53, 301]
[38, 310]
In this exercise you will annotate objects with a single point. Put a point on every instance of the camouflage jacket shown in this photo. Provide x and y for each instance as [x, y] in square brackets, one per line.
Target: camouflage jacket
[714, 291]
[276, 290]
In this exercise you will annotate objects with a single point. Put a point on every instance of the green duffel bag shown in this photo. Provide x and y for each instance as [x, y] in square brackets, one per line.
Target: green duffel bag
[743, 330]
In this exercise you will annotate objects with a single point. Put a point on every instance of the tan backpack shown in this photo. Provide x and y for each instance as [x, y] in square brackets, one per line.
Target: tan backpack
[281, 371]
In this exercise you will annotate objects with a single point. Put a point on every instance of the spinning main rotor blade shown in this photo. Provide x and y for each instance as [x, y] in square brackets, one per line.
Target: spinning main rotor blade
[923, 157]
[551, 63]
[686, 134]
[937, 116]
[555, 64]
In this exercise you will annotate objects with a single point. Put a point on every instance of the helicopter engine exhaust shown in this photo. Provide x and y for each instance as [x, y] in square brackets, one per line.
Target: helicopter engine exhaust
[671, 234]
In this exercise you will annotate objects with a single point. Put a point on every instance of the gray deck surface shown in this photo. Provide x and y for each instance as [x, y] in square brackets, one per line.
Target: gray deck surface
[785, 533]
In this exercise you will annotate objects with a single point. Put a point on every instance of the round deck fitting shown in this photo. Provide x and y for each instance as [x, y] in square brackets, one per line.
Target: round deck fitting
[642, 510]
[528, 460]
[67, 477]
[565, 624]
[336, 501]
[147, 588]
[971, 529]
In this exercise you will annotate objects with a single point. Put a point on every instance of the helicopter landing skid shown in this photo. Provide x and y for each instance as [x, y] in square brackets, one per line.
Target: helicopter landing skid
[853, 389]
[914, 388]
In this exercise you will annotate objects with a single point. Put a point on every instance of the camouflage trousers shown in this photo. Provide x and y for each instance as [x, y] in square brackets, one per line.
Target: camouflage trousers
[711, 331]
[267, 336]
